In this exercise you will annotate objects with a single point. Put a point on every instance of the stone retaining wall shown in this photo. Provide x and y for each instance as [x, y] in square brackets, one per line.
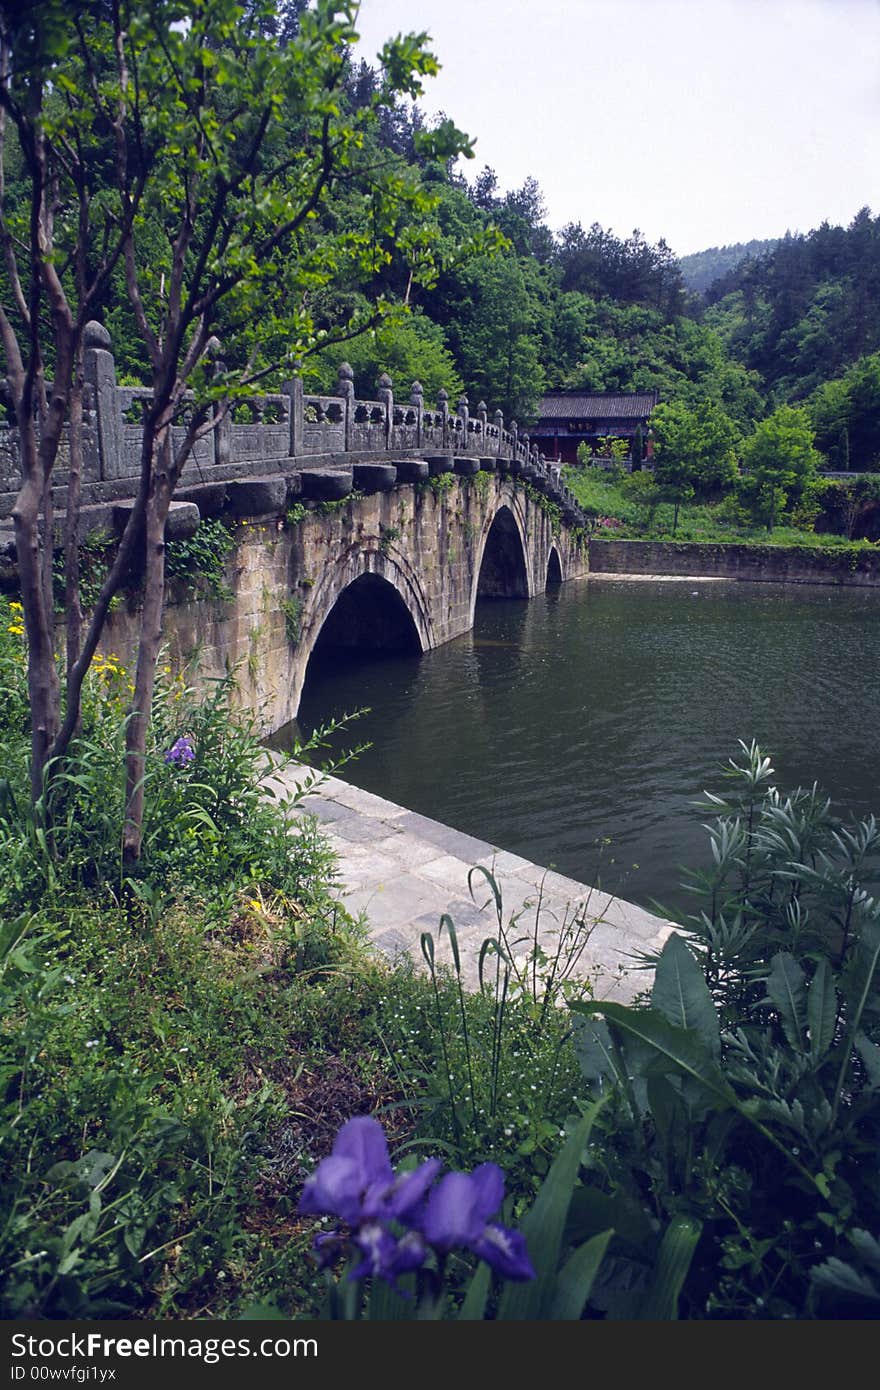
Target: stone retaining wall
[768, 563]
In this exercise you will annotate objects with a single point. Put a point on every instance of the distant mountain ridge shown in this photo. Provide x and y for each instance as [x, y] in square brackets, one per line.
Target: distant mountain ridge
[702, 268]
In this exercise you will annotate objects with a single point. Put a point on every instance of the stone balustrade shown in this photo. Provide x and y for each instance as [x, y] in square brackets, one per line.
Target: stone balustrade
[294, 434]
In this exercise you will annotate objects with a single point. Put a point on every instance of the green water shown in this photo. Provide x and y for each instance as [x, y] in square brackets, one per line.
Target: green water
[577, 729]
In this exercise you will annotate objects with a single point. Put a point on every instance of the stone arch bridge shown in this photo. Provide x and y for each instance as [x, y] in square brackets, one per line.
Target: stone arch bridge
[400, 568]
[357, 524]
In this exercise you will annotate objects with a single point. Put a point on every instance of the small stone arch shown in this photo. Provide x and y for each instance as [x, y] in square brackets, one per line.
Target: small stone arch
[503, 567]
[381, 593]
[554, 569]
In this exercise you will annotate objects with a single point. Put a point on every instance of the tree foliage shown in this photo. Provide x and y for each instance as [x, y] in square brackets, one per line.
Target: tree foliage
[807, 310]
[188, 153]
[695, 451]
[780, 460]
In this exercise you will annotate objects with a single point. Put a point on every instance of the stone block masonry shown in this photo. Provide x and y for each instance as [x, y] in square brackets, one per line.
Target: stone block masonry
[404, 566]
[404, 870]
[774, 564]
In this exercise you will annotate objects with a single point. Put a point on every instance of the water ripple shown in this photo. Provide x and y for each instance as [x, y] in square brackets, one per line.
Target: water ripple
[601, 712]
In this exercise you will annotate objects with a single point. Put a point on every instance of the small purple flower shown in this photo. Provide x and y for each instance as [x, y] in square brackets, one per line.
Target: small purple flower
[358, 1184]
[181, 753]
[457, 1214]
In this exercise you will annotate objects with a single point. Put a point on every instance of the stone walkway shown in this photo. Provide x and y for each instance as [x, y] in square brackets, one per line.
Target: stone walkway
[403, 871]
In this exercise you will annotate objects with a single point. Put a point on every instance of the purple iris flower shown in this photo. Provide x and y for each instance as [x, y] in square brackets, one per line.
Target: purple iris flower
[457, 1214]
[181, 753]
[358, 1184]
[385, 1255]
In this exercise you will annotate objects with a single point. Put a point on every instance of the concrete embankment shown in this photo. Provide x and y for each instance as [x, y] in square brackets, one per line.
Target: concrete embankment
[774, 564]
[403, 871]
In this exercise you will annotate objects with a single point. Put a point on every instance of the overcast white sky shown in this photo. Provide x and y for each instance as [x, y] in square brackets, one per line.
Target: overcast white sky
[703, 121]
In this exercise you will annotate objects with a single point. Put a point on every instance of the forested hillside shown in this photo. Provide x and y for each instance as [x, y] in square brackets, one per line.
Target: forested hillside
[406, 266]
[701, 269]
[805, 319]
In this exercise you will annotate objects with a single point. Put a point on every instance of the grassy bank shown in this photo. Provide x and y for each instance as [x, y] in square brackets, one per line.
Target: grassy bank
[180, 1048]
[601, 493]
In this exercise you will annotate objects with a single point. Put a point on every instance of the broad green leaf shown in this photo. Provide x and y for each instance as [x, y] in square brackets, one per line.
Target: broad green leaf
[592, 1212]
[680, 1240]
[862, 978]
[870, 1055]
[543, 1228]
[474, 1307]
[387, 1305]
[673, 1049]
[681, 995]
[786, 989]
[839, 1277]
[664, 1101]
[859, 984]
[867, 1246]
[575, 1279]
[821, 1010]
[595, 1051]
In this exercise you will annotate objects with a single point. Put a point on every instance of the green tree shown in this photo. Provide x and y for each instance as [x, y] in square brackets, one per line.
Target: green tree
[412, 349]
[694, 451]
[192, 119]
[780, 461]
[846, 415]
[496, 334]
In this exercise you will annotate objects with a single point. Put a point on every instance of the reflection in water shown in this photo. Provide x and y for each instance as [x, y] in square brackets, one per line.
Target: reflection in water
[599, 712]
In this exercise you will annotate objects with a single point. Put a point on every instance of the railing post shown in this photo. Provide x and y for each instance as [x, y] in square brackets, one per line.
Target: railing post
[483, 417]
[99, 370]
[345, 389]
[514, 438]
[464, 416]
[499, 425]
[293, 389]
[443, 408]
[417, 400]
[385, 397]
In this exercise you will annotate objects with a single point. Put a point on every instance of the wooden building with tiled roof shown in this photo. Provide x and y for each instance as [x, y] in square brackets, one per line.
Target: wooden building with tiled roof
[569, 418]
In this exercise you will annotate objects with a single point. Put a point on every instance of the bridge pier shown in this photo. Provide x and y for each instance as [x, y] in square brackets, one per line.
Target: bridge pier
[394, 569]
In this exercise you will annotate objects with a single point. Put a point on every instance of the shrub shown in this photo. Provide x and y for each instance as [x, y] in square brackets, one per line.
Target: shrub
[744, 1098]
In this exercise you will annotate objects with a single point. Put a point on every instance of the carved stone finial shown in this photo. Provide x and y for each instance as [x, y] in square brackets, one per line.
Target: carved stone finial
[443, 394]
[481, 406]
[499, 417]
[345, 372]
[95, 335]
[462, 400]
[385, 382]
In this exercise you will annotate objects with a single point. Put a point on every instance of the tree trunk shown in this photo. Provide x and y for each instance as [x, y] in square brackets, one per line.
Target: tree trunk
[147, 656]
[72, 605]
[43, 686]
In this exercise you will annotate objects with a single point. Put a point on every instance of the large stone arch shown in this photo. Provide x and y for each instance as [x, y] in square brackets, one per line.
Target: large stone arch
[555, 571]
[392, 570]
[506, 523]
